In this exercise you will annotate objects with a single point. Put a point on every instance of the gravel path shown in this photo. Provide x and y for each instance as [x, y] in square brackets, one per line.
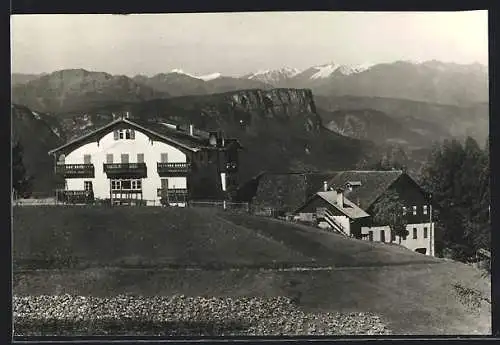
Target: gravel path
[180, 315]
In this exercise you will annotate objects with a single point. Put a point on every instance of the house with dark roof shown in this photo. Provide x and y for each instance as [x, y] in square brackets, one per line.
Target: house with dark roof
[152, 162]
[345, 203]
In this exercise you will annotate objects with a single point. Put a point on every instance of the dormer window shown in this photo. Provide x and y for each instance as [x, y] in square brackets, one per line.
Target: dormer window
[124, 134]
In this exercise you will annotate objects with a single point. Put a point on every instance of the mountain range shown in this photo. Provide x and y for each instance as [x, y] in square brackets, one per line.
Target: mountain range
[323, 117]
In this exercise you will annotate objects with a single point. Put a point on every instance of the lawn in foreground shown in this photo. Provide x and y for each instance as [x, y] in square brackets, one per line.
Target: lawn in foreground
[63, 237]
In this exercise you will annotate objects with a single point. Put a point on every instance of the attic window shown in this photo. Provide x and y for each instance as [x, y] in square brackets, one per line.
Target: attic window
[124, 134]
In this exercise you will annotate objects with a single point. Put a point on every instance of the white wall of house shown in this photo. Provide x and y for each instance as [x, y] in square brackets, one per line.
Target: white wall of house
[411, 243]
[152, 151]
[344, 222]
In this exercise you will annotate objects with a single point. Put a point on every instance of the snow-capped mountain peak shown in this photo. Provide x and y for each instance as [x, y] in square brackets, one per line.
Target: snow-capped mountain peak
[325, 71]
[274, 76]
[209, 76]
[206, 77]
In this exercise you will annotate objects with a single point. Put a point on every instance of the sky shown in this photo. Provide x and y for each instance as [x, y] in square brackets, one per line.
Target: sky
[238, 43]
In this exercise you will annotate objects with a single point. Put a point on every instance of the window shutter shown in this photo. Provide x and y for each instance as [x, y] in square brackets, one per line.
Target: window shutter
[115, 133]
[132, 134]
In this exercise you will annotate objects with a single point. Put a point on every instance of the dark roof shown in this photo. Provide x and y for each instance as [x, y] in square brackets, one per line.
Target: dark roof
[373, 184]
[176, 136]
[198, 140]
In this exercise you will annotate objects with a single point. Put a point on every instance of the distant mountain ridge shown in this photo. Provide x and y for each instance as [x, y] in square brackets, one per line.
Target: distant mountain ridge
[431, 81]
[77, 89]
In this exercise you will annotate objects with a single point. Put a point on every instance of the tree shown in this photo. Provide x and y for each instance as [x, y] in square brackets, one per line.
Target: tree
[389, 210]
[21, 182]
[393, 158]
[458, 177]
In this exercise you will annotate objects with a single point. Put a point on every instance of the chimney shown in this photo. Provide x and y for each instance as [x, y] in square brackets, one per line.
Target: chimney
[340, 197]
[191, 130]
[325, 186]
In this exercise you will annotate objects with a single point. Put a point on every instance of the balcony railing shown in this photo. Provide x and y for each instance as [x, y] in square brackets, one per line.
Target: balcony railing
[125, 169]
[75, 196]
[75, 170]
[173, 195]
[173, 168]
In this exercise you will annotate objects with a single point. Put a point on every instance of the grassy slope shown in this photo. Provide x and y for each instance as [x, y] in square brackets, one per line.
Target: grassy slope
[53, 237]
[413, 293]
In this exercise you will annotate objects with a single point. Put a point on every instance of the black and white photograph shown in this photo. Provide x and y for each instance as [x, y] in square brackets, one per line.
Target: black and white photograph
[251, 174]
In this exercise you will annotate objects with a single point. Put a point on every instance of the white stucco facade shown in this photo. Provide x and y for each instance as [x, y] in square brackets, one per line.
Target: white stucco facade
[419, 236]
[151, 150]
[344, 222]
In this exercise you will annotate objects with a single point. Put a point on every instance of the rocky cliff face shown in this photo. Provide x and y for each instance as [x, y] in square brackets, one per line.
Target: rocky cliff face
[279, 129]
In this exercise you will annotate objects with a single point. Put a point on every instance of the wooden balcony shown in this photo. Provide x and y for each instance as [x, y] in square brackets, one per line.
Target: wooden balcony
[125, 170]
[75, 196]
[173, 169]
[76, 170]
[173, 195]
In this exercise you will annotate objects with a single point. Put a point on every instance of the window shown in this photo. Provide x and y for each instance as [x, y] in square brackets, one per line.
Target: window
[87, 186]
[414, 210]
[140, 158]
[425, 209]
[404, 210]
[370, 235]
[382, 236]
[414, 233]
[109, 158]
[115, 184]
[86, 159]
[425, 232]
[126, 184]
[124, 134]
[393, 236]
[164, 157]
[164, 183]
[124, 158]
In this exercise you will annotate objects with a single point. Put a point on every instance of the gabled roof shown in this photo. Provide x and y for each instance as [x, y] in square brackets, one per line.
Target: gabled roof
[373, 184]
[178, 138]
[348, 208]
